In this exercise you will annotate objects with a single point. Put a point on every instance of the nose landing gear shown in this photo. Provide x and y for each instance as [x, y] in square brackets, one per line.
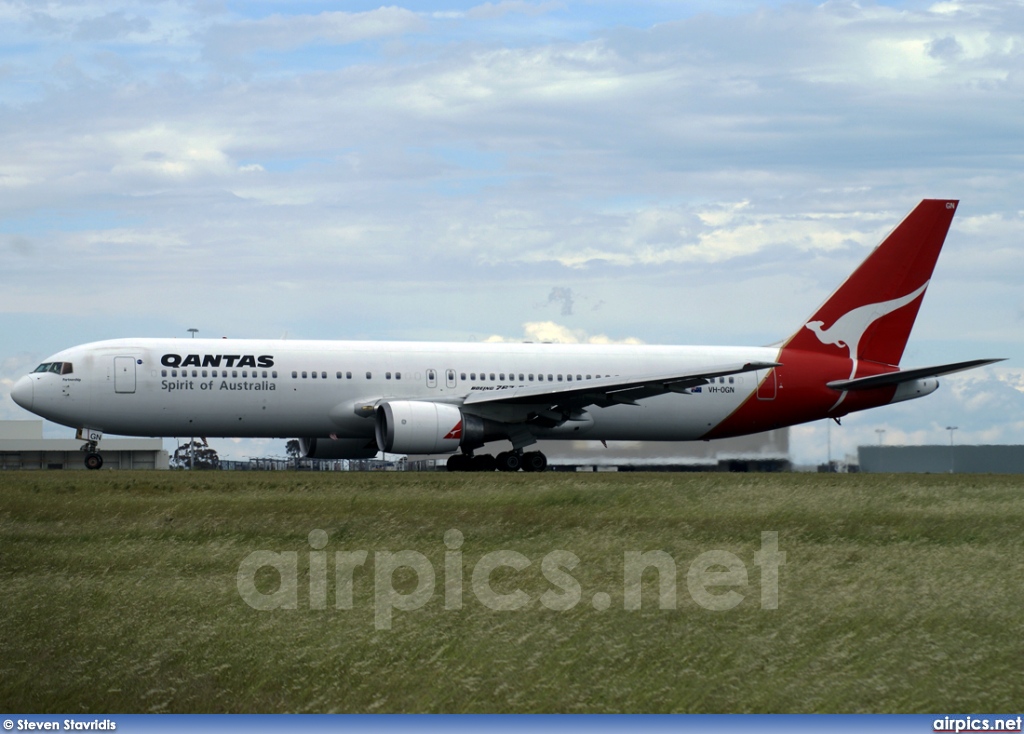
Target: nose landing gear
[93, 460]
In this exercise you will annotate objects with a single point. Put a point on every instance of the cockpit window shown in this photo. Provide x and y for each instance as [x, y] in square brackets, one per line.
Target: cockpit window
[58, 368]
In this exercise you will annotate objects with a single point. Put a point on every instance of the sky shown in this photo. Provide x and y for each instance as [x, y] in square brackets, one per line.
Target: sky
[663, 172]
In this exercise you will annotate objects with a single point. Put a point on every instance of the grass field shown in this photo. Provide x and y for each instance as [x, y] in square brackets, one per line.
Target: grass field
[121, 593]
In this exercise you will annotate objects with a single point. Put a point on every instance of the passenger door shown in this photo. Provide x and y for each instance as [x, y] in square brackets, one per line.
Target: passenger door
[124, 374]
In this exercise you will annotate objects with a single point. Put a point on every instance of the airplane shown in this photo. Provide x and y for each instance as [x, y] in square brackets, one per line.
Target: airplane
[352, 399]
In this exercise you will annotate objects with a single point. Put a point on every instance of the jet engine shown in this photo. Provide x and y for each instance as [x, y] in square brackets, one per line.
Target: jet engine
[414, 427]
[337, 448]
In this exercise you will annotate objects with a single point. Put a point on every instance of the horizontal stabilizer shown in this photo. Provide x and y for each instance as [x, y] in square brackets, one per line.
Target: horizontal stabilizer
[900, 376]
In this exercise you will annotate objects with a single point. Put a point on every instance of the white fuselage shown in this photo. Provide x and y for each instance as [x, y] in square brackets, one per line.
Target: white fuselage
[264, 388]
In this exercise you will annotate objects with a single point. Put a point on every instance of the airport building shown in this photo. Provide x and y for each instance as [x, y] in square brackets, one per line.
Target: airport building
[942, 459]
[22, 446]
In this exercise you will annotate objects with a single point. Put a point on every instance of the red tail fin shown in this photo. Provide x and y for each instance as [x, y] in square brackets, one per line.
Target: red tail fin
[872, 313]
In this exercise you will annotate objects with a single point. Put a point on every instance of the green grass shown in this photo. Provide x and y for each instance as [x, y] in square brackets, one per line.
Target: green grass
[899, 593]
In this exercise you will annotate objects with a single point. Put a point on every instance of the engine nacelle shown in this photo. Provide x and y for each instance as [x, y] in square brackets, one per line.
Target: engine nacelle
[337, 448]
[413, 427]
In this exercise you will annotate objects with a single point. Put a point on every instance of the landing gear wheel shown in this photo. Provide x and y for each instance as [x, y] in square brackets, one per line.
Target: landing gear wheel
[534, 461]
[93, 461]
[458, 462]
[484, 462]
[509, 461]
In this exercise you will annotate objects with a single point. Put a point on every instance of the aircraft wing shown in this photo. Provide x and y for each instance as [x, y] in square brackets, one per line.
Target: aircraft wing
[567, 397]
[900, 376]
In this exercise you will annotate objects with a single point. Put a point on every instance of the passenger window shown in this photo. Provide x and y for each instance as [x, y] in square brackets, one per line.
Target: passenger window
[369, 376]
[492, 377]
[559, 378]
[234, 373]
[314, 375]
[398, 375]
[387, 375]
[294, 374]
[305, 375]
[163, 373]
[348, 375]
[272, 374]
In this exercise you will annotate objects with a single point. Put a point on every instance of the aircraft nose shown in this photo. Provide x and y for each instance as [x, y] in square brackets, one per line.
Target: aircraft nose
[22, 393]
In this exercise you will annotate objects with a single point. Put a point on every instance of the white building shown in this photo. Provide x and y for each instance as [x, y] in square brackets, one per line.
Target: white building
[22, 446]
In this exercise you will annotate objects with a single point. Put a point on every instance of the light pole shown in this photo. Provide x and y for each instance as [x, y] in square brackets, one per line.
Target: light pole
[951, 459]
[828, 427]
[880, 431]
[192, 441]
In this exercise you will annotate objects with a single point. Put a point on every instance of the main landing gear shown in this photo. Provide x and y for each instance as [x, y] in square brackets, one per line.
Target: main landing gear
[533, 461]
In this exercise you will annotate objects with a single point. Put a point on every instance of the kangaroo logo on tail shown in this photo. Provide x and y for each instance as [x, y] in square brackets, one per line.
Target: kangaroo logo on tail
[848, 329]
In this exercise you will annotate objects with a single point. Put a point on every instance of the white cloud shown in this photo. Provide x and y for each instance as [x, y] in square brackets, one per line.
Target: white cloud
[285, 32]
[488, 11]
[549, 331]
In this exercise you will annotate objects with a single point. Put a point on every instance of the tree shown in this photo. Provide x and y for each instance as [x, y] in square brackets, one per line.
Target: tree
[294, 451]
[195, 454]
